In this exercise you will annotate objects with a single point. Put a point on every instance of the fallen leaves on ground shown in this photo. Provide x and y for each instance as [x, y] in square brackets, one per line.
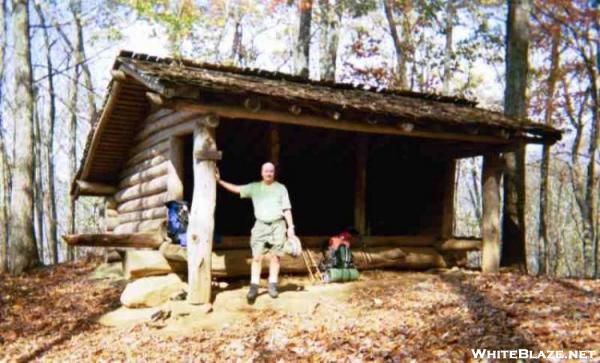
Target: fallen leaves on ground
[388, 316]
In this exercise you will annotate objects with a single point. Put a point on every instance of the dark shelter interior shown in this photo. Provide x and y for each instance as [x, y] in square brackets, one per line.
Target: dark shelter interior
[404, 185]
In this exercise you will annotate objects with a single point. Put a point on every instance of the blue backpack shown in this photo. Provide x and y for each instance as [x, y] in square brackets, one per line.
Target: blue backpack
[177, 221]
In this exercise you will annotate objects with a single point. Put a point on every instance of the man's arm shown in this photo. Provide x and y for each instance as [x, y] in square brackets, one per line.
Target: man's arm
[287, 214]
[229, 186]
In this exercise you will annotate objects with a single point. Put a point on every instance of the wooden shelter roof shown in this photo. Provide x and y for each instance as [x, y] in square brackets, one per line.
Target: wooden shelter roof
[187, 82]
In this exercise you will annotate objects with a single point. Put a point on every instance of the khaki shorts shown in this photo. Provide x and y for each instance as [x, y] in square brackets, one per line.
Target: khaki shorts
[268, 238]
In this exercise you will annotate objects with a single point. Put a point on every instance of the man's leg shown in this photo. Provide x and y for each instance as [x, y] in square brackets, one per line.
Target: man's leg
[274, 269]
[255, 269]
[273, 275]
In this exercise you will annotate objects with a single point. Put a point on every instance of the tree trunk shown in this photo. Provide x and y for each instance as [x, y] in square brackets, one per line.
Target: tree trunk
[4, 168]
[23, 249]
[448, 54]
[490, 222]
[49, 189]
[330, 24]
[302, 49]
[546, 248]
[38, 185]
[402, 42]
[72, 211]
[515, 106]
[81, 60]
[591, 216]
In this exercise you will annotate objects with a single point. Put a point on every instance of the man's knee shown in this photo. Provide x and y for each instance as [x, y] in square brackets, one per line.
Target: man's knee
[257, 258]
[275, 259]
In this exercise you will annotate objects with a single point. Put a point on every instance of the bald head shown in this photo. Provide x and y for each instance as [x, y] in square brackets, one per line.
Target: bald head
[267, 172]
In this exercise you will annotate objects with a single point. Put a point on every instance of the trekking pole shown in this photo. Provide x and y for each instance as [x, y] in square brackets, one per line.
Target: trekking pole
[318, 272]
[307, 264]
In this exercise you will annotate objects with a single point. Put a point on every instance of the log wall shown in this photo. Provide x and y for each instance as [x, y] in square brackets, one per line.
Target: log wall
[152, 174]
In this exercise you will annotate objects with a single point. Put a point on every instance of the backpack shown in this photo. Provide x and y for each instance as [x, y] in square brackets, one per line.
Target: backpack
[177, 221]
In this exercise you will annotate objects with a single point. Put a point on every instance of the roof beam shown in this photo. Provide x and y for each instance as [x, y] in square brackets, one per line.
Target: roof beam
[319, 121]
[83, 187]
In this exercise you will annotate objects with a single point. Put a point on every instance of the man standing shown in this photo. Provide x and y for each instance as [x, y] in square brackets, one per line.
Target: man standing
[273, 212]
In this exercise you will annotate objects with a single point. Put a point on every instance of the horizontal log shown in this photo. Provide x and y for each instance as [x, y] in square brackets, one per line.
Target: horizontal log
[165, 122]
[94, 189]
[158, 114]
[110, 212]
[234, 263]
[239, 242]
[147, 152]
[141, 226]
[152, 239]
[137, 191]
[142, 166]
[460, 244]
[183, 128]
[111, 223]
[148, 202]
[237, 112]
[146, 175]
[142, 215]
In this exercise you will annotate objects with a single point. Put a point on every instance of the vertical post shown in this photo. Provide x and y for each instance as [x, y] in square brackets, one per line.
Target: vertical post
[447, 227]
[360, 186]
[490, 224]
[274, 144]
[202, 221]
[175, 169]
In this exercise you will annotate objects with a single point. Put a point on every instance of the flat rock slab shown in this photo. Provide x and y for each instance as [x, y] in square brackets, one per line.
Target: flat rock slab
[142, 263]
[112, 270]
[152, 291]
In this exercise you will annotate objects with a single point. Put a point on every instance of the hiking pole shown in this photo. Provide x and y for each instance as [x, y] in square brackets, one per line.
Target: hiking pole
[310, 273]
[314, 264]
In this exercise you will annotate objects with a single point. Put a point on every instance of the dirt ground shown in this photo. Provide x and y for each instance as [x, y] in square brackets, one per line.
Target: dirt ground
[60, 314]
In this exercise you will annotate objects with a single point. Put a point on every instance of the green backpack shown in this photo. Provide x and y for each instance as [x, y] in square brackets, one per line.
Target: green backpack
[341, 269]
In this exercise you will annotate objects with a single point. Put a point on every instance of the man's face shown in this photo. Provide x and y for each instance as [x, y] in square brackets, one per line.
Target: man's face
[268, 173]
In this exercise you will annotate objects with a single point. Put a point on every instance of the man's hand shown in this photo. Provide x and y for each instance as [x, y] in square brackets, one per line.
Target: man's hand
[217, 174]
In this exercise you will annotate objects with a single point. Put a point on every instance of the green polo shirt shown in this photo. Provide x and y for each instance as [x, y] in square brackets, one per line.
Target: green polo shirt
[269, 201]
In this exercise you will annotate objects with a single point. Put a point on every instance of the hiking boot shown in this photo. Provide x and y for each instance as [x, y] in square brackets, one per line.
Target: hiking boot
[252, 294]
[273, 290]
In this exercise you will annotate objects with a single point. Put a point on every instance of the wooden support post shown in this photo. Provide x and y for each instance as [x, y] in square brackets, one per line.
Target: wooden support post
[447, 227]
[175, 169]
[274, 144]
[360, 186]
[202, 221]
[490, 224]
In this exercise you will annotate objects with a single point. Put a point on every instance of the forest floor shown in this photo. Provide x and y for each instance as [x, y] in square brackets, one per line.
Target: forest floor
[53, 314]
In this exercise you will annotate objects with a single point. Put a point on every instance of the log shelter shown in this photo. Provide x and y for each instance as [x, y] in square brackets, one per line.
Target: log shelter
[380, 160]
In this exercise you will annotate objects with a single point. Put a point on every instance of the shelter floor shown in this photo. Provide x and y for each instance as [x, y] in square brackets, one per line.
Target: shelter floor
[53, 314]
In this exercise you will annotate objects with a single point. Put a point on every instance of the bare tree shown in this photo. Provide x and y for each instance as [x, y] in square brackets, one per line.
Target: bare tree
[4, 168]
[81, 59]
[49, 187]
[302, 48]
[402, 41]
[331, 15]
[448, 54]
[72, 105]
[38, 190]
[23, 249]
[546, 248]
[515, 106]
